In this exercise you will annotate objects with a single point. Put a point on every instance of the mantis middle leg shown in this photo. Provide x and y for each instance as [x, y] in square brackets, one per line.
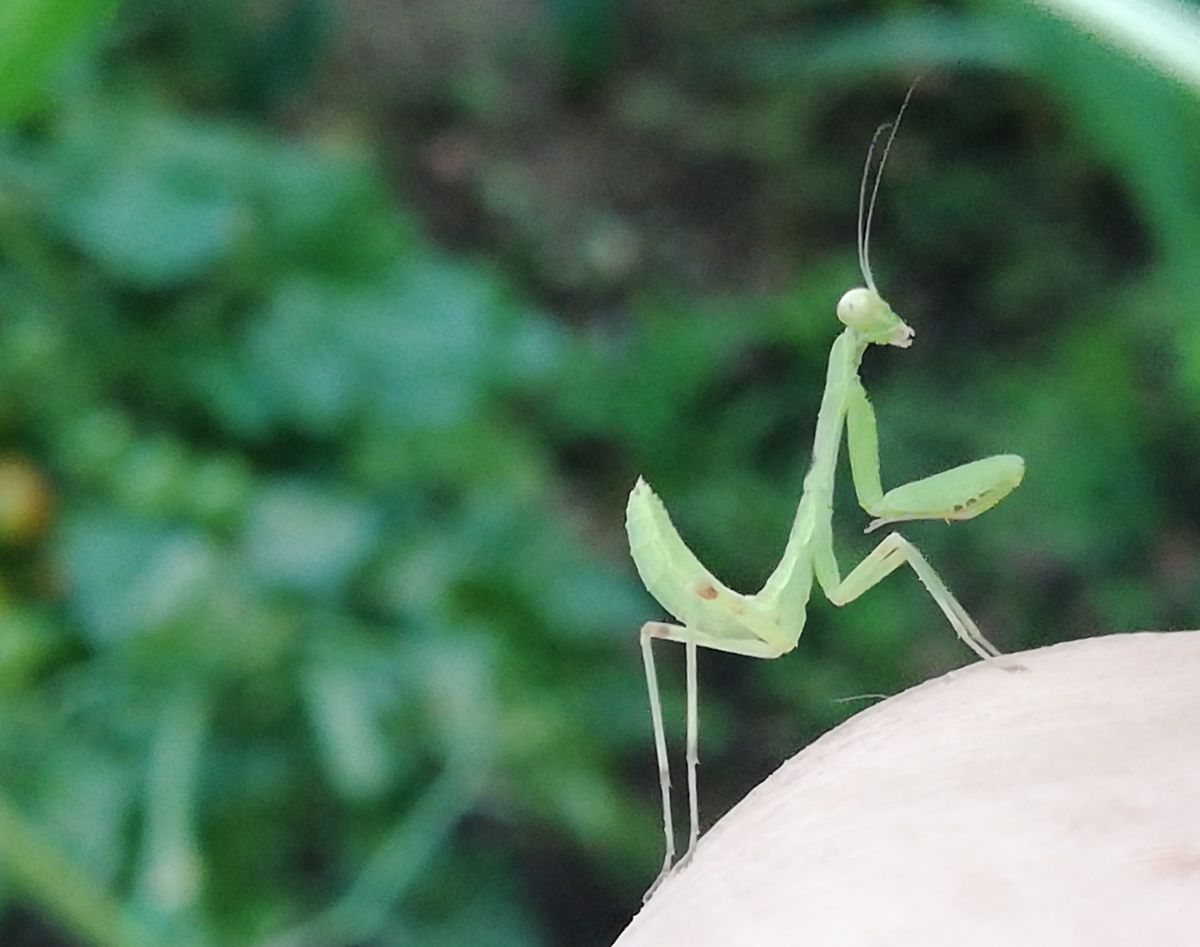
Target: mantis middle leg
[882, 561]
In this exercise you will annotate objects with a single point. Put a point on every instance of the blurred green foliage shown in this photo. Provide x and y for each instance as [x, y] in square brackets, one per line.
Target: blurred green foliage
[35, 37]
[332, 338]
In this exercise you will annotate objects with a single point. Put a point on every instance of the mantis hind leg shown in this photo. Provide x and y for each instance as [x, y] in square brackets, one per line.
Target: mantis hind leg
[693, 753]
[692, 640]
[660, 750]
[652, 630]
[893, 552]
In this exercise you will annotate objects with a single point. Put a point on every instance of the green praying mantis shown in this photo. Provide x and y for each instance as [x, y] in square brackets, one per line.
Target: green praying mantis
[768, 623]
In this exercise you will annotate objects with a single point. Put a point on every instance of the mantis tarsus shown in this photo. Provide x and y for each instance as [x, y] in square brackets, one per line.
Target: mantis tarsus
[768, 623]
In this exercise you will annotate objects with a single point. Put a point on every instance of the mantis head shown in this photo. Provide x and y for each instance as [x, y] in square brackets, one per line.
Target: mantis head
[863, 309]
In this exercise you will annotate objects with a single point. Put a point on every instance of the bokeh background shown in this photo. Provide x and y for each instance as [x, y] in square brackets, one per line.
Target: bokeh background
[333, 334]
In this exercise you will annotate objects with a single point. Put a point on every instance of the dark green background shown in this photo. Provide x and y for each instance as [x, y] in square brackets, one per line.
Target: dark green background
[333, 335]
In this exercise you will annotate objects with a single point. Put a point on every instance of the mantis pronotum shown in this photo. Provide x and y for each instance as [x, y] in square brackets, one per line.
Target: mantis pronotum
[768, 623]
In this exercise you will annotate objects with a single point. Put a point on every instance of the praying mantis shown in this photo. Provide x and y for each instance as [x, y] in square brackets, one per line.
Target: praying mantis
[768, 623]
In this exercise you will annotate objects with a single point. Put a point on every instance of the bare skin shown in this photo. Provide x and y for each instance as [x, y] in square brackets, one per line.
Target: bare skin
[1054, 808]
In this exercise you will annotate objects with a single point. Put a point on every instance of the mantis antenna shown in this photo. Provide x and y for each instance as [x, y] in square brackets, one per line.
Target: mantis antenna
[768, 623]
[864, 224]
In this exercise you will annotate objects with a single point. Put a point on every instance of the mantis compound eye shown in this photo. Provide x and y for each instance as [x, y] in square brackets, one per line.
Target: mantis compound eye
[858, 309]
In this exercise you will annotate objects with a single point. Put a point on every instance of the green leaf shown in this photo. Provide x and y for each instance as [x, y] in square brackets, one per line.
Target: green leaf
[149, 232]
[128, 577]
[306, 539]
[35, 37]
[419, 350]
[343, 708]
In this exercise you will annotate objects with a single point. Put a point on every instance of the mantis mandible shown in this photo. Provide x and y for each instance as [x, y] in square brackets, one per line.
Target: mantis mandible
[768, 623]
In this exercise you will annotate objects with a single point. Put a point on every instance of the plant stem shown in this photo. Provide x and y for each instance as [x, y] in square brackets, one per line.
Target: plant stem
[57, 885]
[402, 853]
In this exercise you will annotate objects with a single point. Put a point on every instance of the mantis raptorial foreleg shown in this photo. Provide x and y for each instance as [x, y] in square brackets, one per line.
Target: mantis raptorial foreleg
[959, 493]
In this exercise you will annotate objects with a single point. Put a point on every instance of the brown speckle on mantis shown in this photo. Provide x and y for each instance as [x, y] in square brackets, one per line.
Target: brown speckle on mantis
[768, 623]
